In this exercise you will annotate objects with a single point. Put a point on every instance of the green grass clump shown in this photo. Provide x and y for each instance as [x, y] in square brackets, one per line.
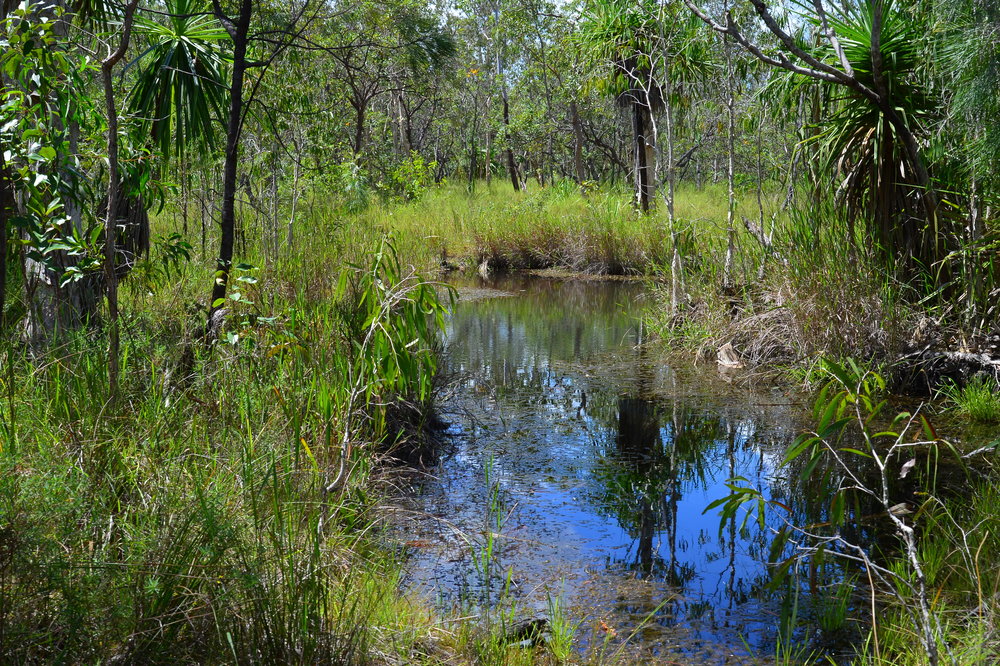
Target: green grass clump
[979, 399]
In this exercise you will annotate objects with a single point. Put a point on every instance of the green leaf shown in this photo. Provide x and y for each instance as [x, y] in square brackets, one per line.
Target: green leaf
[929, 431]
[837, 509]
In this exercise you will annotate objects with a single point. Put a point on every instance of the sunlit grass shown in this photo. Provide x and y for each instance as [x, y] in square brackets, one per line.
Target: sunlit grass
[978, 399]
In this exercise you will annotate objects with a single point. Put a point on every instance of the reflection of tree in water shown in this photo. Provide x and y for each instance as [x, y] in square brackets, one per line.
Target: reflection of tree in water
[644, 479]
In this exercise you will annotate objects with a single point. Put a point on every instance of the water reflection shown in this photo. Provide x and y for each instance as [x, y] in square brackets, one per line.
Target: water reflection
[606, 459]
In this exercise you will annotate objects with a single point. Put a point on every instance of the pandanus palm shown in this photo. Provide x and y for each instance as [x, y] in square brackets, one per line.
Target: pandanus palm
[180, 89]
[877, 178]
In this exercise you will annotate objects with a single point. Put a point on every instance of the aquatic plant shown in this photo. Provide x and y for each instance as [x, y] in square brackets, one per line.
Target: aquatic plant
[979, 399]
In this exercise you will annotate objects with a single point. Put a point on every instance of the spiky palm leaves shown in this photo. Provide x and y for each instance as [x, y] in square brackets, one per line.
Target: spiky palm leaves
[876, 179]
[180, 89]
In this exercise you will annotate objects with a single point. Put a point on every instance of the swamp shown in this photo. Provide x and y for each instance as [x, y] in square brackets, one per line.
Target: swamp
[500, 332]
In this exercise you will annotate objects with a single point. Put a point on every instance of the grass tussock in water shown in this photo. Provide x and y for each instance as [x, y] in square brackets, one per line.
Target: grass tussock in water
[979, 399]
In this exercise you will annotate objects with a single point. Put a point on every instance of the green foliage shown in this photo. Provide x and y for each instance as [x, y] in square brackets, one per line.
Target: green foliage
[354, 186]
[413, 177]
[219, 512]
[390, 317]
[43, 96]
[180, 86]
[970, 57]
[876, 178]
[165, 262]
[979, 399]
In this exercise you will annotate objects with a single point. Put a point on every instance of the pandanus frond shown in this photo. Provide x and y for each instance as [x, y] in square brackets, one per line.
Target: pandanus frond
[180, 88]
[872, 172]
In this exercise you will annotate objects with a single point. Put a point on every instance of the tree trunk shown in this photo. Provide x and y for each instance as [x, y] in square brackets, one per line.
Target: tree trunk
[296, 174]
[359, 127]
[577, 145]
[239, 33]
[676, 274]
[727, 277]
[6, 213]
[403, 125]
[51, 305]
[114, 195]
[511, 164]
[640, 126]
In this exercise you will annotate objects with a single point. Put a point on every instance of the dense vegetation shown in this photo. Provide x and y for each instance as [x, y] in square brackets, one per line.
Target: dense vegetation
[211, 333]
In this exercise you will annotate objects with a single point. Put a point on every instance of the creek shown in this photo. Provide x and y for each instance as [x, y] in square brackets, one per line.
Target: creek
[578, 466]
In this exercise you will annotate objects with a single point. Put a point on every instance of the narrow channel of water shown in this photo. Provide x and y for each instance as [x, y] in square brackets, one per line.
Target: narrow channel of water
[579, 466]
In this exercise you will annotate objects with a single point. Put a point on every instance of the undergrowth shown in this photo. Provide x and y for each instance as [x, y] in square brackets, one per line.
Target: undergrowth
[217, 510]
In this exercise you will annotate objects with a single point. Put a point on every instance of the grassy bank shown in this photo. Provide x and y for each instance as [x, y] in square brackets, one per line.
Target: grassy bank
[546, 227]
[800, 292]
[216, 510]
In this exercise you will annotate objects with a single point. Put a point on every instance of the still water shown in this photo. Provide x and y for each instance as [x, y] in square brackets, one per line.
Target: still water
[578, 465]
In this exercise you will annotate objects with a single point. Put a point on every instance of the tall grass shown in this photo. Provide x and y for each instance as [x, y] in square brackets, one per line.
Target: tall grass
[217, 510]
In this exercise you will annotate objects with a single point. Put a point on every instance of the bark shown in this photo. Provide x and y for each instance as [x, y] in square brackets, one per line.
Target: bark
[403, 127]
[640, 125]
[730, 168]
[511, 164]
[676, 269]
[114, 195]
[296, 175]
[6, 203]
[359, 125]
[6, 213]
[577, 145]
[51, 306]
[238, 31]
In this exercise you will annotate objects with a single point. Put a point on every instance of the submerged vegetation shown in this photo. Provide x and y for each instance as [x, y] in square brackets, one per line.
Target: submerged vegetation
[213, 339]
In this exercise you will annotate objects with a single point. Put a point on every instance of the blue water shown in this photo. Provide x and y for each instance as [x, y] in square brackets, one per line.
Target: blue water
[600, 458]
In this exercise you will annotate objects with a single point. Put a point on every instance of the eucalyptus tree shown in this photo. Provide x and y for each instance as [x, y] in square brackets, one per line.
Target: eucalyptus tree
[375, 44]
[275, 34]
[968, 34]
[44, 95]
[114, 188]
